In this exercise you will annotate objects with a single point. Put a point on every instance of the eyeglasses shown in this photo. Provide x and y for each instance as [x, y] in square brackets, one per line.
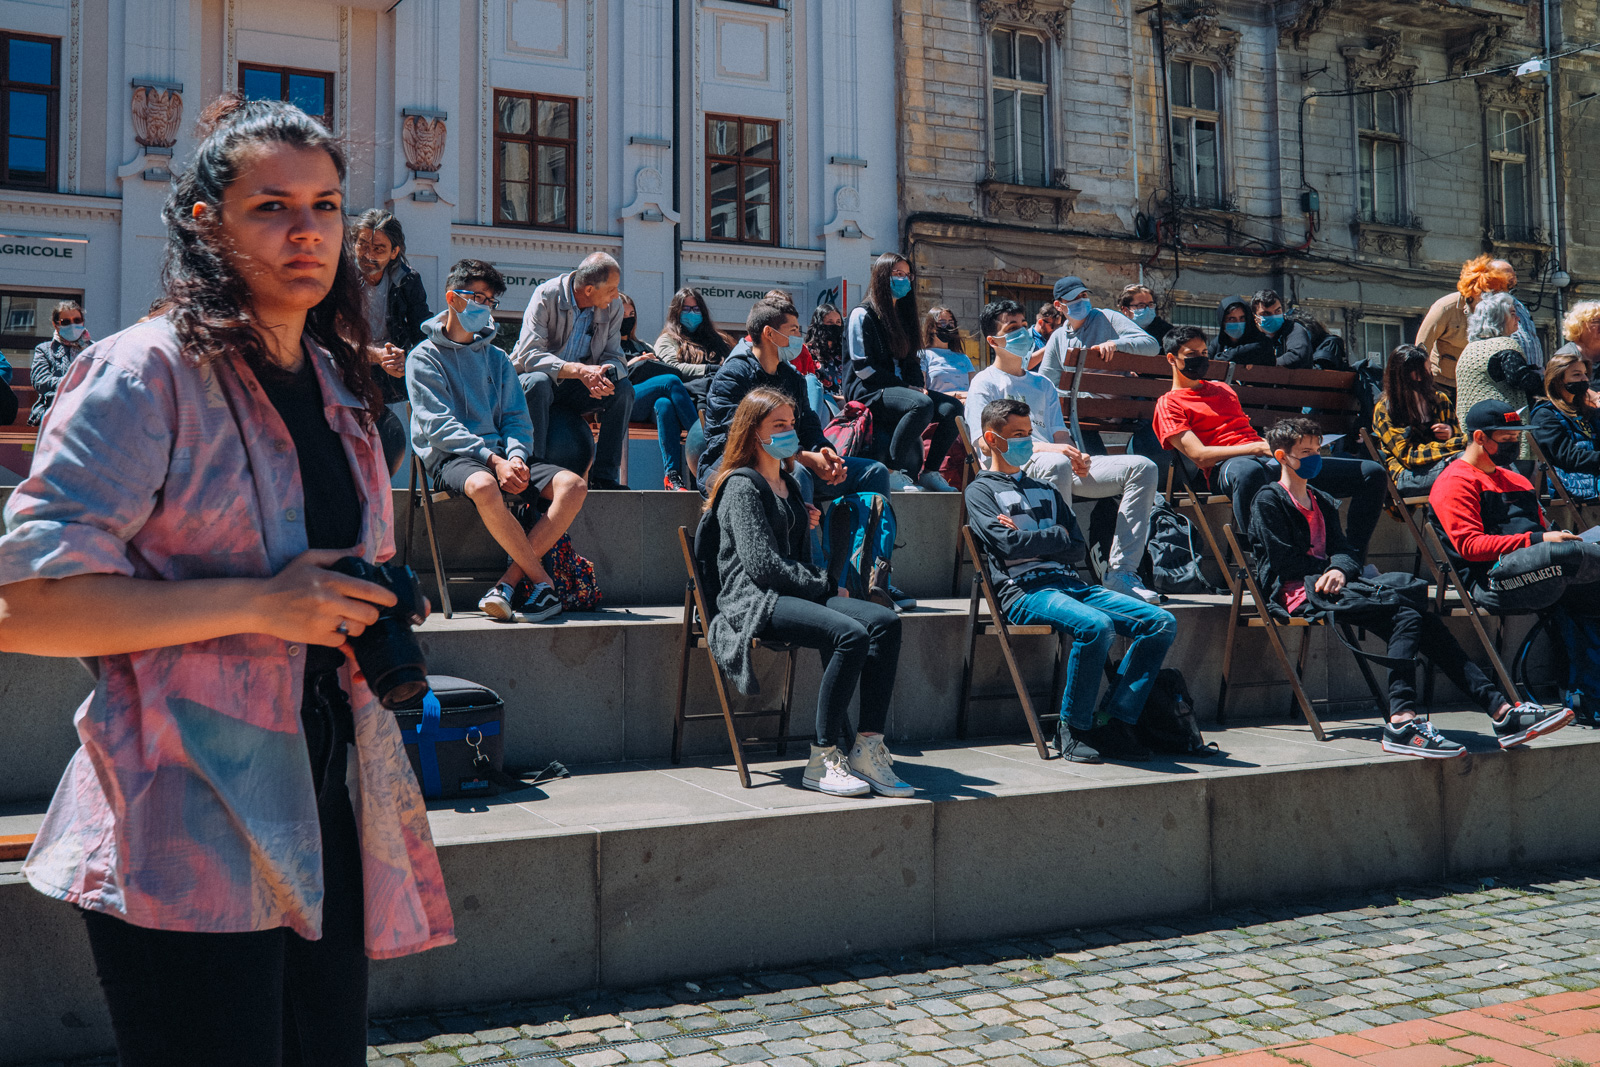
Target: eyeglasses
[477, 298]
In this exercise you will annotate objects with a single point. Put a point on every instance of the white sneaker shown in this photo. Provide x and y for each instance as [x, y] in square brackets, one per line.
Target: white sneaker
[829, 772]
[1128, 584]
[934, 482]
[900, 482]
[870, 760]
[496, 603]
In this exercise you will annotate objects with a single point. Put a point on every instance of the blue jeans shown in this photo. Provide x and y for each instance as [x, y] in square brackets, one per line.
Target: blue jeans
[1092, 616]
[861, 475]
[666, 396]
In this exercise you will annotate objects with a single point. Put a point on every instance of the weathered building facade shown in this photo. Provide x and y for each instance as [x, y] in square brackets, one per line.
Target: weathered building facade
[1347, 153]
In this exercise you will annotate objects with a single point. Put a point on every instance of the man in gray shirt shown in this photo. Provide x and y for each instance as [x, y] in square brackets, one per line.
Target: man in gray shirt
[570, 354]
[1102, 331]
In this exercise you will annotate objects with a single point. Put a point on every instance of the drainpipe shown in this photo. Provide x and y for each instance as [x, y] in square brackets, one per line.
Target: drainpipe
[1557, 238]
[677, 147]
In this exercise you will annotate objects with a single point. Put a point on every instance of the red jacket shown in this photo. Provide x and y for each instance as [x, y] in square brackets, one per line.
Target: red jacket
[1486, 513]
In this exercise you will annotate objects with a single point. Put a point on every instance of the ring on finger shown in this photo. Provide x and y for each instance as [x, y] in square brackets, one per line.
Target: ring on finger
[343, 627]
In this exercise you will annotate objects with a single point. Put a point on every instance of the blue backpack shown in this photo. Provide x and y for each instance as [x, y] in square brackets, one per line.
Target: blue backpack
[859, 533]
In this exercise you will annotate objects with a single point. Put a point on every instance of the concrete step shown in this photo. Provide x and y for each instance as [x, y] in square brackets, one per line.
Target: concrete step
[640, 872]
[602, 686]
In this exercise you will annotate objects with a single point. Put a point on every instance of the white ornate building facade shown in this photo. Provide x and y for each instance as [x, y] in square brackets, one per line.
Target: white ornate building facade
[736, 145]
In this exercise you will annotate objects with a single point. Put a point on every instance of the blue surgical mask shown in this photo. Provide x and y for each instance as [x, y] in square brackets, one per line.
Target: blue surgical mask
[783, 445]
[1271, 323]
[474, 318]
[1143, 316]
[789, 351]
[691, 320]
[1018, 451]
[899, 285]
[1309, 466]
[1234, 330]
[1078, 310]
[1020, 342]
[70, 332]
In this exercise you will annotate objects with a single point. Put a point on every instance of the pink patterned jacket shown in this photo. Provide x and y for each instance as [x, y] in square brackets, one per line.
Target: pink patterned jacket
[189, 805]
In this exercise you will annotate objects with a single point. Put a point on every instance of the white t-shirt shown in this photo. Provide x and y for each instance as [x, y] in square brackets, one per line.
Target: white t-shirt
[1034, 389]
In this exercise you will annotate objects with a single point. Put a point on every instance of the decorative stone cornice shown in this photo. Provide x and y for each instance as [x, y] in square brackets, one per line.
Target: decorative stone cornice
[707, 254]
[1513, 94]
[1196, 29]
[1303, 20]
[1389, 241]
[1381, 65]
[1476, 50]
[1047, 15]
[533, 242]
[60, 206]
[1027, 205]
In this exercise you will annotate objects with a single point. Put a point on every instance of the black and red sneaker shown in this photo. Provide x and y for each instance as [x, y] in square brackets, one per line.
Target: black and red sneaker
[674, 481]
[1417, 737]
[1526, 721]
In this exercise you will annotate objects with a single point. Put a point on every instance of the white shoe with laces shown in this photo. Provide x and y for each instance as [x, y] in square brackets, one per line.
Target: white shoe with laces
[829, 772]
[934, 482]
[870, 761]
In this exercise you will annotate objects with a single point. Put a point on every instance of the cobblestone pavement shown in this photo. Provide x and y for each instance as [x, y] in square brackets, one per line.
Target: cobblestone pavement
[1112, 997]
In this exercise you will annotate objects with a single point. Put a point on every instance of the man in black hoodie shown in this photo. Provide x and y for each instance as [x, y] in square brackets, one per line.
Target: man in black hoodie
[1292, 344]
[1239, 339]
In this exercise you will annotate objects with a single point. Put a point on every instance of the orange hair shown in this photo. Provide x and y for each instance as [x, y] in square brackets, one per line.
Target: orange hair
[1479, 276]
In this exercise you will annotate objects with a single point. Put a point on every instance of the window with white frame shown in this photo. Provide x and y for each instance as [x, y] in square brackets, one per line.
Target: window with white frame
[1379, 337]
[1019, 145]
[1510, 216]
[1381, 146]
[1196, 132]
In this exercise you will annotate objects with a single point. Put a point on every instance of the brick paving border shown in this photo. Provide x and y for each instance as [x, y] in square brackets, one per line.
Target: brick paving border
[1129, 995]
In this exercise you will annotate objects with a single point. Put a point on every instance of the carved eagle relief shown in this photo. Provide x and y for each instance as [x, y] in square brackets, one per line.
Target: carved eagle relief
[423, 139]
[157, 114]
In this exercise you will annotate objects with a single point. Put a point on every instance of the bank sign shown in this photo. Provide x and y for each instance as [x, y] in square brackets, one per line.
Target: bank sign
[55, 253]
[521, 281]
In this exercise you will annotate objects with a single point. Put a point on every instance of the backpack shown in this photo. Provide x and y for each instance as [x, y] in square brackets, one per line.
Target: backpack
[859, 532]
[1168, 724]
[572, 577]
[850, 431]
[1102, 528]
[1580, 647]
[1174, 552]
[1369, 387]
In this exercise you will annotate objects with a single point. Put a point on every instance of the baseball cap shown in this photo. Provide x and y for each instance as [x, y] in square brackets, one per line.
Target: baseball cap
[1493, 415]
[1070, 288]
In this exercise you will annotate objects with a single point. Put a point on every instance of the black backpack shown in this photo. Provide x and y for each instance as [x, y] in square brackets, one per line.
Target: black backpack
[1174, 552]
[1168, 724]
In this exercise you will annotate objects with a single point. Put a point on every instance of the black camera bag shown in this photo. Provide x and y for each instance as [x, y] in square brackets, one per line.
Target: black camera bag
[455, 738]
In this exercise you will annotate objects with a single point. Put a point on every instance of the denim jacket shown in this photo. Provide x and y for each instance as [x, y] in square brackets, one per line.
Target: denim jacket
[189, 805]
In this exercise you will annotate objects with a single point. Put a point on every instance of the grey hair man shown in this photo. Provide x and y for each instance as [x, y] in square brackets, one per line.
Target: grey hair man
[569, 354]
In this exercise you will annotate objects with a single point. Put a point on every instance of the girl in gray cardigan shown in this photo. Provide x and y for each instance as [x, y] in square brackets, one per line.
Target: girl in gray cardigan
[768, 590]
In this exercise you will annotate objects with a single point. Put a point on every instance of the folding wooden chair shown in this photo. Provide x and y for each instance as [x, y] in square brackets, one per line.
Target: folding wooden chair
[997, 626]
[422, 496]
[1259, 616]
[969, 472]
[1403, 506]
[1558, 496]
[1466, 606]
[696, 620]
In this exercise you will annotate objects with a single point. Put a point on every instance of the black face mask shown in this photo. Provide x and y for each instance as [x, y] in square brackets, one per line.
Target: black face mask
[1578, 389]
[830, 336]
[1195, 367]
[949, 334]
[628, 323]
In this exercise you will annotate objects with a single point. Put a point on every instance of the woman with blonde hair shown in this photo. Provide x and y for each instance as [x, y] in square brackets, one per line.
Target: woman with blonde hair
[768, 589]
[1581, 328]
[1565, 423]
[1443, 333]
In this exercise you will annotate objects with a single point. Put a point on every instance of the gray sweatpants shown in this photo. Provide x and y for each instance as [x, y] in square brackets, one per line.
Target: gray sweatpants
[1133, 478]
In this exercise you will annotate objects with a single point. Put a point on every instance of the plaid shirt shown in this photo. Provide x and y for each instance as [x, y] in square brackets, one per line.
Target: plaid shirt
[1401, 453]
[189, 805]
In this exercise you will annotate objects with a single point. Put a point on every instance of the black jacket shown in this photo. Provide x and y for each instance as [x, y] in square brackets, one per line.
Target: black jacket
[1292, 346]
[1254, 347]
[1158, 328]
[740, 373]
[1281, 540]
[1048, 531]
[872, 368]
[1569, 443]
[407, 311]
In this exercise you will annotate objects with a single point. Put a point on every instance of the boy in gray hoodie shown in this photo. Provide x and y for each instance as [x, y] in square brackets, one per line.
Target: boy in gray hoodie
[470, 428]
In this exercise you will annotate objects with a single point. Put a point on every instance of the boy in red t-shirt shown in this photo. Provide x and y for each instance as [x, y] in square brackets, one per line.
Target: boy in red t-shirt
[1202, 421]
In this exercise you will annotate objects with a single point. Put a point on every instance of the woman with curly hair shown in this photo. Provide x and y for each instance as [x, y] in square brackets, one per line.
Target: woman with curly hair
[1443, 333]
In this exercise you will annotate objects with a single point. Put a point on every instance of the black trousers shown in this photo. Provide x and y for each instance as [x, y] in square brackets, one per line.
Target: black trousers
[267, 998]
[1409, 631]
[1541, 576]
[904, 413]
[859, 640]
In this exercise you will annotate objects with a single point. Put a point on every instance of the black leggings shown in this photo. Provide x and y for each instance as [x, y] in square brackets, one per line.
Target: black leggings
[1409, 630]
[905, 413]
[858, 640]
[268, 998]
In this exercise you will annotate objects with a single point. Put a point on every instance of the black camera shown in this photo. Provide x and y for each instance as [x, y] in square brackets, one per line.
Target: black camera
[387, 650]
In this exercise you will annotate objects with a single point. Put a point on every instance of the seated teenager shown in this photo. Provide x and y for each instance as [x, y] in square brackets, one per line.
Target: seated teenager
[1298, 541]
[1239, 339]
[1138, 303]
[1055, 459]
[660, 397]
[1101, 331]
[769, 590]
[1032, 541]
[1496, 532]
[1292, 344]
[1414, 422]
[884, 374]
[945, 367]
[470, 427]
[1566, 423]
[1202, 421]
[763, 359]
